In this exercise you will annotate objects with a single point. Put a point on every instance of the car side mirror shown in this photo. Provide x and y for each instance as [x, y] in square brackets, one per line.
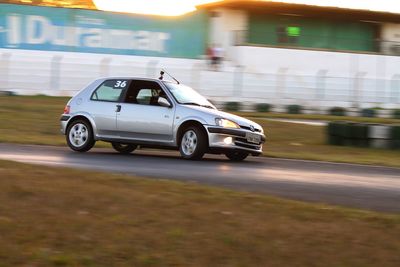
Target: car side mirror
[164, 102]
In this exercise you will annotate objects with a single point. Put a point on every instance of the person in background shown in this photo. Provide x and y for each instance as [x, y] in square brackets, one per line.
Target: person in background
[209, 55]
[218, 56]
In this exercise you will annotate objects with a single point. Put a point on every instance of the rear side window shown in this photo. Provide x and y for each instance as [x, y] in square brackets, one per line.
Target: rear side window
[110, 90]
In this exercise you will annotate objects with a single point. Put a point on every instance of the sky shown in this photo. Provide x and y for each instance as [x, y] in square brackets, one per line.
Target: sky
[179, 7]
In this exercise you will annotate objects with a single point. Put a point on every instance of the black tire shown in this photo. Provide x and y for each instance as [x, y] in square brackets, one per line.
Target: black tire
[201, 144]
[124, 148]
[236, 155]
[79, 136]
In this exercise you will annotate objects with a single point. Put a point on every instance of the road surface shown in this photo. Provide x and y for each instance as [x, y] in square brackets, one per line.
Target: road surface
[368, 187]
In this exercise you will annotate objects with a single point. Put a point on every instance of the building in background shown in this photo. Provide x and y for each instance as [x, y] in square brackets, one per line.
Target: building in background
[87, 4]
[273, 24]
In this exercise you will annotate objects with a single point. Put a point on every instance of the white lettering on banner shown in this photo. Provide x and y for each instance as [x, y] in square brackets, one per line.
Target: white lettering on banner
[14, 30]
[40, 31]
[92, 38]
[143, 42]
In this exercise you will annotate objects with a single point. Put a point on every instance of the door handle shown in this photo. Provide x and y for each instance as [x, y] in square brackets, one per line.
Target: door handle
[118, 108]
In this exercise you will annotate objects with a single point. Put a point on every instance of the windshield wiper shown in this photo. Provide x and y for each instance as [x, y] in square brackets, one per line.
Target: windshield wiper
[197, 104]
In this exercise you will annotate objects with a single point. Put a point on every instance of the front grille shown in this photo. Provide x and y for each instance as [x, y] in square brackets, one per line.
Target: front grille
[242, 142]
[248, 128]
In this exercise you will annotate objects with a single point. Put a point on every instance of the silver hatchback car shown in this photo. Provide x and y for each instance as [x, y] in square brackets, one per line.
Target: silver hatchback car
[132, 112]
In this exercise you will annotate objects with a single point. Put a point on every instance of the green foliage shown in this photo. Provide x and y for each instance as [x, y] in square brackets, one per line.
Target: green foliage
[294, 109]
[263, 107]
[347, 133]
[368, 112]
[337, 111]
[232, 106]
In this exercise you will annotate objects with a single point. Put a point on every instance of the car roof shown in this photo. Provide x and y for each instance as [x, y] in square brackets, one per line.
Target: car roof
[128, 78]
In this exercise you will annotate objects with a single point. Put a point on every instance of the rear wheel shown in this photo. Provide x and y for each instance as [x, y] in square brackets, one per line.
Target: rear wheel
[80, 136]
[236, 155]
[124, 148]
[193, 144]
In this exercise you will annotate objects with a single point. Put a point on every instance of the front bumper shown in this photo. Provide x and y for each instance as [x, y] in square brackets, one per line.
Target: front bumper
[217, 136]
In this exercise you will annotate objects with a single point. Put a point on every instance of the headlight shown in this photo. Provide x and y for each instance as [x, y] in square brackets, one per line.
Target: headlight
[226, 123]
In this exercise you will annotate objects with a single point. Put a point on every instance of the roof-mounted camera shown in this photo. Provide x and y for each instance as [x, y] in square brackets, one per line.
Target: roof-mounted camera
[162, 72]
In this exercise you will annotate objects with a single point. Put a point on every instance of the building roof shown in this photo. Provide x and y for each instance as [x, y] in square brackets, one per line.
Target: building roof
[269, 7]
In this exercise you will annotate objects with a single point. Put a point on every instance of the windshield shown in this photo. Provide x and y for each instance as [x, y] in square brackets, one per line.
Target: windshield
[187, 96]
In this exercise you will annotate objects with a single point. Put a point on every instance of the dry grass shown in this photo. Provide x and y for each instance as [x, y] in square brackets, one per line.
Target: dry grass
[35, 120]
[31, 119]
[64, 217]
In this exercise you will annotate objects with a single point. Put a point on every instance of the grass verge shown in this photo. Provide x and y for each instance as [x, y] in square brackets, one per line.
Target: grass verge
[64, 217]
[298, 141]
[317, 117]
[35, 120]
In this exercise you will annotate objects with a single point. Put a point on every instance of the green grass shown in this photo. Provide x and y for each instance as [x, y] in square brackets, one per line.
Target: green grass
[35, 120]
[64, 217]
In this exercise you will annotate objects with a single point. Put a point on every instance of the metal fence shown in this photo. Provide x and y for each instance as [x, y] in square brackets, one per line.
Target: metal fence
[64, 74]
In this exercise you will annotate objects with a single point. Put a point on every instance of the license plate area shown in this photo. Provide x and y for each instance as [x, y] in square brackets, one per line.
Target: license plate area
[253, 138]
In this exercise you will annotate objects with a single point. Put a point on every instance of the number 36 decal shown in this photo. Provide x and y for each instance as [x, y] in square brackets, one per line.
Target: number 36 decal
[120, 84]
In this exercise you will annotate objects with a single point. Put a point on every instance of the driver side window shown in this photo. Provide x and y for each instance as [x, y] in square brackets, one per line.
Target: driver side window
[145, 93]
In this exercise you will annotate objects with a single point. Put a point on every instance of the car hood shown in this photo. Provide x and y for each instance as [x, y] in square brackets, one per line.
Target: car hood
[220, 114]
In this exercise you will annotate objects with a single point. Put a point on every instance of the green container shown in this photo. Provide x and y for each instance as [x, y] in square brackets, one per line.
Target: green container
[395, 137]
[263, 107]
[395, 132]
[336, 132]
[335, 140]
[232, 106]
[359, 134]
[396, 114]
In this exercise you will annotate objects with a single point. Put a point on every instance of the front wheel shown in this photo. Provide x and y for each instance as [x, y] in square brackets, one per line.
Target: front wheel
[193, 144]
[124, 148]
[236, 155]
[80, 136]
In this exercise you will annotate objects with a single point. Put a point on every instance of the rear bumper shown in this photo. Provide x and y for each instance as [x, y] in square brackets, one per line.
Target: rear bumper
[64, 122]
[219, 143]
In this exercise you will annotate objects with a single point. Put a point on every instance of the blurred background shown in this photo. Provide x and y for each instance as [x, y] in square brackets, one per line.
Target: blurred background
[280, 53]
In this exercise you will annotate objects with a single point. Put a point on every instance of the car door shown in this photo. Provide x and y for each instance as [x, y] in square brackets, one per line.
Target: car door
[141, 117]
[103, 106]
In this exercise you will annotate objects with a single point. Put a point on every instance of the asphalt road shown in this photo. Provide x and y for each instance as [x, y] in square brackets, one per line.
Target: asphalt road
[368, 187]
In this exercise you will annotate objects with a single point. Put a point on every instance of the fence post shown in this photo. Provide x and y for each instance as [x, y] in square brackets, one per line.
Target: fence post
[151, 68]
[281, 83]
[321, 85]
[380, 82]
[55, 73]
[357, 88]
[395, 89]
[238, 80]
[195, 75]
[105, 67]
[5, 70]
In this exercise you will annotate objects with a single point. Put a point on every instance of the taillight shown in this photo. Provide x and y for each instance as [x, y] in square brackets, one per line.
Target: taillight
[67, 109]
